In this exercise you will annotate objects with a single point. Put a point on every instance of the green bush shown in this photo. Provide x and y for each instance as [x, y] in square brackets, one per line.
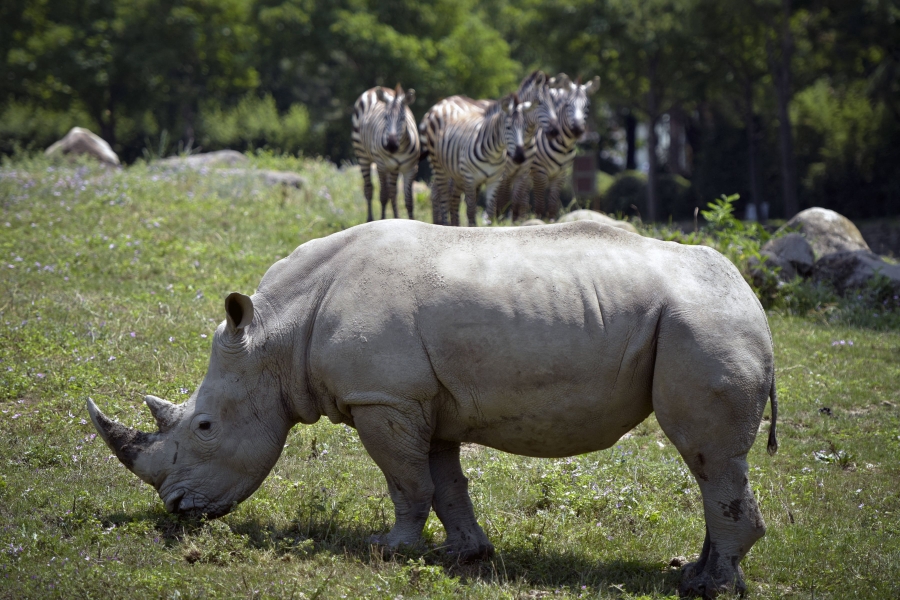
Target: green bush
[629, 189]
[32, 127]
[255, 123]
[675, 195]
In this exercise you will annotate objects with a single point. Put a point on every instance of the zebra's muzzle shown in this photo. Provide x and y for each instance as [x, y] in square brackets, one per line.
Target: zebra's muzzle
[392, 145]
[519, 155]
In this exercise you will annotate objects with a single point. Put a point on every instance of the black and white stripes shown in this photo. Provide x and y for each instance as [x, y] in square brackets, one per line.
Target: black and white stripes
[554, 155]
[384, 133]
[467, 141]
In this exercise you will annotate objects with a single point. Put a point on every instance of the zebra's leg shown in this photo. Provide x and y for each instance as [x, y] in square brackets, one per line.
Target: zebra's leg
[453, 202]
[553, 198]
[365, 167]
[520, 197]
[392, 190]
[471, 192]
[491, 190]
[438, 195]
[540, 193]
[383, 181]
[409, 176]
[496, 206]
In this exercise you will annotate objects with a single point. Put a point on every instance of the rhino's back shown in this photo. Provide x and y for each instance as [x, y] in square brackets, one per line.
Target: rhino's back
[537, 340]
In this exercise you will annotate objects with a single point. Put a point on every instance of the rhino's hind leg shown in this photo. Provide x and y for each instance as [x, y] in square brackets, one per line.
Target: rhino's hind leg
[733, 524]
[733, 520]
[465, 538]
[399, 442]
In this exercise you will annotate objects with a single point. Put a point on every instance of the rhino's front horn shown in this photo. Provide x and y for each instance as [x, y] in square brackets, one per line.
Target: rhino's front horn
[126, 442]
[165, 413]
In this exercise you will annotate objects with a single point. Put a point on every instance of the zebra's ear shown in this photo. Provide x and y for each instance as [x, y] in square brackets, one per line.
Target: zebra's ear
[379, 93]
[561, 81]
[593, 85]
[410, 96]
[529, 106]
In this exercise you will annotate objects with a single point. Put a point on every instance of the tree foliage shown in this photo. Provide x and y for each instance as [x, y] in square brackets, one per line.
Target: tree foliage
[767, 98]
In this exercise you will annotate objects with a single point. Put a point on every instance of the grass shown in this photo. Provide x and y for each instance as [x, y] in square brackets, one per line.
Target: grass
[112, 286]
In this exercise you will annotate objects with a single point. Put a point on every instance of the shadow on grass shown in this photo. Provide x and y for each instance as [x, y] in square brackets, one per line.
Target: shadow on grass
[310, 535]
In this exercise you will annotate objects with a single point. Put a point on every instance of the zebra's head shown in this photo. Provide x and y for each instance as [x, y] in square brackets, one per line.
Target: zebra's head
[395, 130]
[572, 102]
[536, 89]
[517, 117]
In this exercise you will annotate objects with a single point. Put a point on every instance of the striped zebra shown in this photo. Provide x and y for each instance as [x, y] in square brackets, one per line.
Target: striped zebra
[553, 156]
[384, 133]
[535, 88]
[445, 111]
[466, 141]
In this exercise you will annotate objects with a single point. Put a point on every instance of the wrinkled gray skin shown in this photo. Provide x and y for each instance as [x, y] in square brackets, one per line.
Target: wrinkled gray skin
[540, 341]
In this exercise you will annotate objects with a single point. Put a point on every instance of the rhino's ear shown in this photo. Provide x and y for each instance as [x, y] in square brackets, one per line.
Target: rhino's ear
[238, 310]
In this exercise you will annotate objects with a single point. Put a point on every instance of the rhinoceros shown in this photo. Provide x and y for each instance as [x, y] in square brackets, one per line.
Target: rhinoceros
[539, 341]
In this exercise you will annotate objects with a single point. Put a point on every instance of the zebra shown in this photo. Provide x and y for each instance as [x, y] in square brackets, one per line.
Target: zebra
[449, 109]
[466, 141]
[384, 133]
[534, 88]
[553, 156]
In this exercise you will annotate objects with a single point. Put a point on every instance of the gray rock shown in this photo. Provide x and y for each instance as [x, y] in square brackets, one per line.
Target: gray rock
[593, 215]
[83, 142]
[269, 177]
[827, 231]
[792, 253]
[854, 269]
[531, 222]
[220, 158]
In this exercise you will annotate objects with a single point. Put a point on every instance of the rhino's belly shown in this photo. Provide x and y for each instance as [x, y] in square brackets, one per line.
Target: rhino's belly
[547, 426]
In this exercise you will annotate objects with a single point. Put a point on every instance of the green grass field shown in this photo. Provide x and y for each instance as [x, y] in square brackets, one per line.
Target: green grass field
[112, 285]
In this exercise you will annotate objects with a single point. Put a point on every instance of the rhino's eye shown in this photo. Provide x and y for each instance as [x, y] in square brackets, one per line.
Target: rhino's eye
[204, 425]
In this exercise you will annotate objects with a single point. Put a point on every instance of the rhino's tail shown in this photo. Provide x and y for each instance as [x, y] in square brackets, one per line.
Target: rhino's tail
[772, 446]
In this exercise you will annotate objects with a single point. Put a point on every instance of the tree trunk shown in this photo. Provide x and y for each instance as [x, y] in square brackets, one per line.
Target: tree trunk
[630, 141]
[781, 75]
[750, 120]
[652, 109]
[675, 160]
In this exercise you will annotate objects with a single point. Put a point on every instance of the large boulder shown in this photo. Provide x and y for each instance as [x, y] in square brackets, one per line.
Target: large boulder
[827, 231]
[531, 222]
[791, 253]
[82, 142]
[593, 215]
[854, 269]
[219, 158]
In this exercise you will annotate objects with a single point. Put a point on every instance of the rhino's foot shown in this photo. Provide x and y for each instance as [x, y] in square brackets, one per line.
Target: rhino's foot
[700, 583]
[389, 547]
[473, 553]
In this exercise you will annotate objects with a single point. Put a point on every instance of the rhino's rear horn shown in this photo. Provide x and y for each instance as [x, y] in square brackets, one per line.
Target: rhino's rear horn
[126, 442]
[165, 413]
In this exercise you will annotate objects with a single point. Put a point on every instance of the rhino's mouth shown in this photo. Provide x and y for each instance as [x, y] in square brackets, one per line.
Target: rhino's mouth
[181, 502]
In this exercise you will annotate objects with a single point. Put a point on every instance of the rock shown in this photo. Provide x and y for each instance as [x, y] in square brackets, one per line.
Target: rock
[530, 222]
[593, 215]
[792, 253]
[269, 177]
[282, 178]
[827, 231]
[80, 141]
[220, 158]
[854, 269]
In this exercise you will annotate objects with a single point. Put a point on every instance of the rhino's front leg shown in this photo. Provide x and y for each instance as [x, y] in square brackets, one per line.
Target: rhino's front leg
[399, 442]
[465, 538]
